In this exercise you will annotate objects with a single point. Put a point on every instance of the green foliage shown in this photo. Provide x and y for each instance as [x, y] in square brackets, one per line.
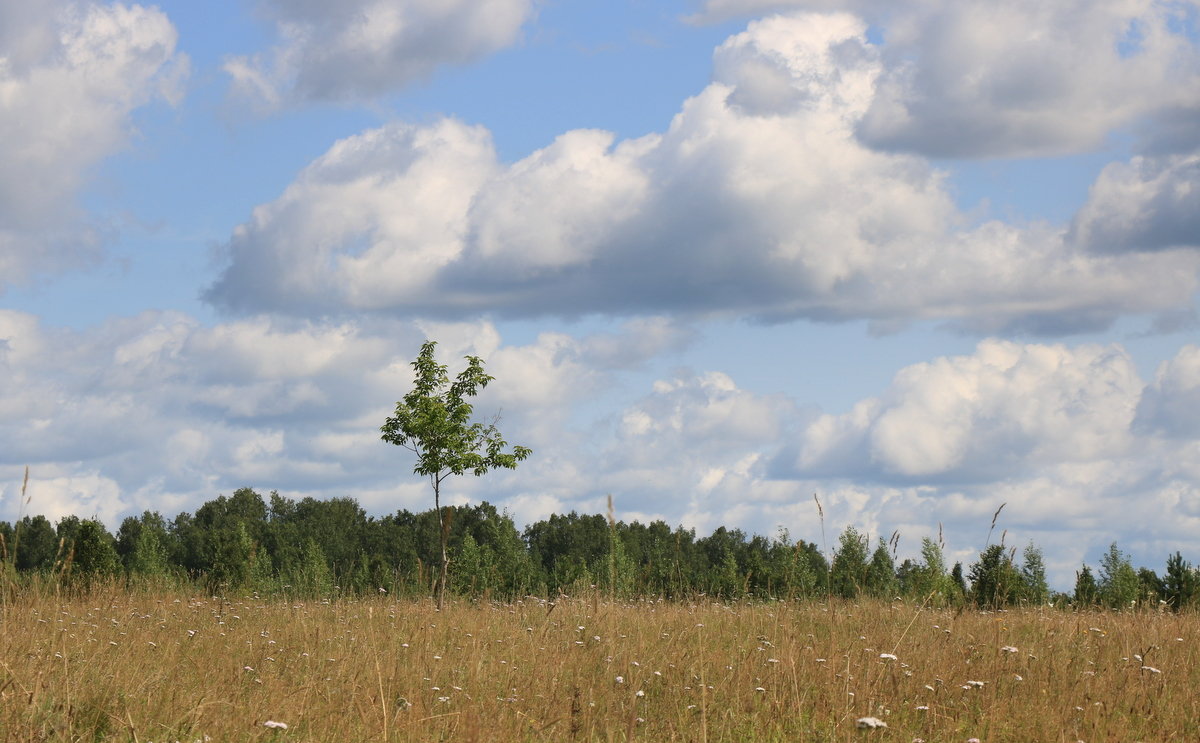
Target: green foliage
[434, 422]
[881, 573]
[995, 581]
[1086, 591]
[37, 544]
[1034, 588]
[1181, 585]
[928, 581]
[310, 576]
[1118, 586]
[325, 547]
[94, 554]
[848, 573]
[958, 582]
[1150, 586]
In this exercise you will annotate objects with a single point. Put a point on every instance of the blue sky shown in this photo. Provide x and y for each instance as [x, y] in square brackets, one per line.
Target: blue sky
[919, 258]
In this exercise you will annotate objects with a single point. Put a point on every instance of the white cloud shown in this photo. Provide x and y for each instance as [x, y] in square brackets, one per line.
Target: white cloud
[157, 411]
[174, 413]
[977, 78]
[1150, 203]
[758, 200]
[70, 76]
[974, 78]
[358, 49]
[1007, 409]
[1171, 404]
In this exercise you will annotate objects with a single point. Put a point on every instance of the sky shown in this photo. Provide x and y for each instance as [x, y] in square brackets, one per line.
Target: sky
[920, 259]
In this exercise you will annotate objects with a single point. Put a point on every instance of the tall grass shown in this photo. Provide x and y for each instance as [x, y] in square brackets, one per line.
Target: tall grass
[158, 666]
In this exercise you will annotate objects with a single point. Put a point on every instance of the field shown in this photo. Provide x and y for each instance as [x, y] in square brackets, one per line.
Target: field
[147, 667]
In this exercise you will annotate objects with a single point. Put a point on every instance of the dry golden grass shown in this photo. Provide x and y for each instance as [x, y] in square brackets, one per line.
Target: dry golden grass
[116, 666]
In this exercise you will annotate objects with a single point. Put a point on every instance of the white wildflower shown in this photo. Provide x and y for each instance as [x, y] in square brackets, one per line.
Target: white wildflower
[870, 722]
[275, 725]
[887, 656]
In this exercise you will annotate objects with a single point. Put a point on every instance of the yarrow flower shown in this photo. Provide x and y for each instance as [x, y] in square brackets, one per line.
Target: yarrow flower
[275, 725]
[870, 722]
[887, 656]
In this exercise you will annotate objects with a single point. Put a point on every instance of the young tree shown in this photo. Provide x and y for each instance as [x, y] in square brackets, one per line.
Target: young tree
[1118, 585]
[1034, 587]
[994, 579]
[1085, 587]
[434, 422]
[95, 554]
[928, 580]
[881, 572]
[1181, 584]
[848, 574]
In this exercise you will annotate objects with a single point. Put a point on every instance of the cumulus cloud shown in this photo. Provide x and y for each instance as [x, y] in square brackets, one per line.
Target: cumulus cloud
[1150, 203]
[970, 79]
[363, 48]
[170, 412]
[1171, 404]
[1007, 408]
[158, 411]
[758, 200]
[1081, 450]
[973, 78]
[70, 76]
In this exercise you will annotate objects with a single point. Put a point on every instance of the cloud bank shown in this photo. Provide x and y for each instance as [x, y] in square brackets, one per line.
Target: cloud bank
[70, 77]
[972, 78]
[156, 411]
[759, 200]
[359, 49]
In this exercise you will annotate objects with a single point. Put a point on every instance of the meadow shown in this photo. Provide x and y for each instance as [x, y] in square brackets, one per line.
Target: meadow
[115, 665]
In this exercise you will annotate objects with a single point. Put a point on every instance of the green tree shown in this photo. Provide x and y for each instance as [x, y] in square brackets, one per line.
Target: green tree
[1180, 585]
[1034, 587]
[37, 543]
[1085, 587]
[848, 573]
[311, 576]
[1150, 586]
[881, 572]
[95, 553]
[141, 544]
[1118, 580]
[958, 582]
[434, 422]
[994, 579]
[928, 580]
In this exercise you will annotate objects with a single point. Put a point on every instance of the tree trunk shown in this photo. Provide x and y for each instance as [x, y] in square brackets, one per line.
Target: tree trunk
[442, 536]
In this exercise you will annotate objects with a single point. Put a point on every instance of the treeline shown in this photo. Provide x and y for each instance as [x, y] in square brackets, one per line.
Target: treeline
[279, 546]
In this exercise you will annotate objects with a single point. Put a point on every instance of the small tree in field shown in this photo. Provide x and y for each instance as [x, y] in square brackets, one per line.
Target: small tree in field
[434, 422]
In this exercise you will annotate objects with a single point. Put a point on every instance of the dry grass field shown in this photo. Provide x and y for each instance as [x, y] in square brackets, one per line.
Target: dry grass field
[146, 667]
